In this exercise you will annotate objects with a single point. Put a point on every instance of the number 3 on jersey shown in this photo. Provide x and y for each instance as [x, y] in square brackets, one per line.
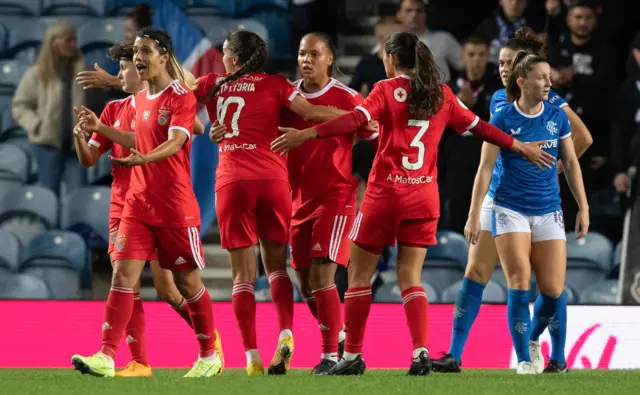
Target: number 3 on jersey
[221, 110]
[416, 142]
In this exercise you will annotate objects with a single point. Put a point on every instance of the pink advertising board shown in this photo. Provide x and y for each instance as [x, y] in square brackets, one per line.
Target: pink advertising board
[606, 337]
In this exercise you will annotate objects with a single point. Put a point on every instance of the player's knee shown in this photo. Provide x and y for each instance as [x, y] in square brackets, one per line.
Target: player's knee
[519, 280]
[169, 293]
[322, 273]
[124, 275]
[408, 277]
[188, 283]
[553, 289]
[478, 273]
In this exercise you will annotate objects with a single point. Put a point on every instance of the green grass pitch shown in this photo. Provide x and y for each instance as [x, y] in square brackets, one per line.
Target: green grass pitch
[374, 382]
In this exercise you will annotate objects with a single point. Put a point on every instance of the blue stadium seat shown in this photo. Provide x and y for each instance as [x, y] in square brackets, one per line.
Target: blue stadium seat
[100, 173]
[27, 147]
[14, 164]
[570, 295]
[11, 72]
[229, 7]
[605, 203]
[100, 55]
[499, 277]
[57, 257]
[588, 259]
[493, 293]
[100, 33]
[20, 7]
[73, 7]
[262, 289]
[9, 128]
[25, 38]
[605, 292]
[23, 286]
[451, 246]
[247, 6]
[217, 32]
[10, 251]
[86, 212]
[209, 10]
[390, 293]
[122, 7]
[277, 23]
[28, 211]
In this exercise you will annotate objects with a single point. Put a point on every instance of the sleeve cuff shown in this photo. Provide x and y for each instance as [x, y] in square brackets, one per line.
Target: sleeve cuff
[366, 113]
[94, 143]
[372, 137]
[565, 136]
[474, 123]
[293, 95]
[183, 130]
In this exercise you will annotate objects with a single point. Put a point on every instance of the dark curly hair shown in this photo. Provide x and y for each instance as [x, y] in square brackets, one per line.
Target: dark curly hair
[426, 96]
[528, 40]
[251, 51]
[123, 51]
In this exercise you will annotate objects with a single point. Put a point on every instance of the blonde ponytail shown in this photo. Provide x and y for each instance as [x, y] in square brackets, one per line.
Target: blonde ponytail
[179, 73]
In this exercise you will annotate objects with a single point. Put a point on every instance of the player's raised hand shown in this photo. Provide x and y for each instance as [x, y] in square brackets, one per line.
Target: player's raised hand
[135, 159]
[217, 132]
[534, 154]
[582, 223]
[472, 228]
[98, 78]
[89, 121]
[290, 139]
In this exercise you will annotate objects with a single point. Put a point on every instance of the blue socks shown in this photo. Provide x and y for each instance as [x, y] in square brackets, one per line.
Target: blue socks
[466, 310]
[519, 321]
[551, 313]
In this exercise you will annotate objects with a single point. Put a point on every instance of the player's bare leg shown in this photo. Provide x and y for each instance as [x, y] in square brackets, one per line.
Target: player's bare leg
[117, 314]
[193, 290]
[514, 250]
[481, 263]
[243, 271]
[549, 261]
[414, 299]
[357, 304]
[274, 258]
[304, 285]
[322, 281]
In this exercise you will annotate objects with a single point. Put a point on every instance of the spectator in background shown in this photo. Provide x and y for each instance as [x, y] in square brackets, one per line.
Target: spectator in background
[582, 72]
[370, 69]
[445, 48]
[460, 154]
[136, 20]
[43, 106]
[497, 30]
[625, 126]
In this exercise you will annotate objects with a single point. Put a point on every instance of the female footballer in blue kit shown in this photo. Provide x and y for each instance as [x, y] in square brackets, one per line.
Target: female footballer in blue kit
[482, 251]
[527, 221]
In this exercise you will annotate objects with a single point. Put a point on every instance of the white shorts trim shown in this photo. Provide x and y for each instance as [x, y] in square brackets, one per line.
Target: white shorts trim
[486, 212]
[542, 227]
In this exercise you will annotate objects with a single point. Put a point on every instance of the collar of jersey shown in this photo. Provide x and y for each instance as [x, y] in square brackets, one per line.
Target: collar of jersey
[319, 93]
[515, 104]
[155, 96]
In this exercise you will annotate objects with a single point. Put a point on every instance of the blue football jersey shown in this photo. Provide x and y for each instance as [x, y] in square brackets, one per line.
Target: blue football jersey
[499, 100]
[525, 188]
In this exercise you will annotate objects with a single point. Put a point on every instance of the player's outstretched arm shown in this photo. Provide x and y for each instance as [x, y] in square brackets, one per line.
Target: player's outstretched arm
[573, 174]
[176, 140]
[480, 187]
[89, 122]
[312, 113]
[98, 78]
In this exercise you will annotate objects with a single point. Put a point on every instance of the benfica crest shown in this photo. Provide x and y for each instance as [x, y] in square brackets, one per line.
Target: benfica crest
[163, 116]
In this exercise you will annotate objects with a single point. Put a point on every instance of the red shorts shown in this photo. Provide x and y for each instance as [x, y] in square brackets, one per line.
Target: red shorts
[377, 232]
[253, 210]
[321, 237]
[115, 214]
[175, 248]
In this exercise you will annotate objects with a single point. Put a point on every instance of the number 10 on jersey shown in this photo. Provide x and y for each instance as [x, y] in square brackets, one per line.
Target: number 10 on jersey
[417, 143]
[221, 110]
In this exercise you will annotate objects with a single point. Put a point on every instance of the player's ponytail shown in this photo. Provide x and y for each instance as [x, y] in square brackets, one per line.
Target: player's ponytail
[165, 46]
[525, 39]
[426, 96]
[251, 51]
[523, 62]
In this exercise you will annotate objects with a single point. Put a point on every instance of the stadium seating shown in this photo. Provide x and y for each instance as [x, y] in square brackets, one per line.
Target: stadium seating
[9, 128]
[20, 7]
[617, 255]
[445, 261]
[570, 295]
[100, 173]
[73, 7]
[588, 259]
[390, 293]
[10, 252]
[493, 293]
[102, 32]
[11, 72]
[217, 32]
[23, 286]
[28, 211]
[14, 168]
[247, 6]
[277, 22]
[57, 257]
[25, 38]
[121, 7]
[605, 292]
[86, 212]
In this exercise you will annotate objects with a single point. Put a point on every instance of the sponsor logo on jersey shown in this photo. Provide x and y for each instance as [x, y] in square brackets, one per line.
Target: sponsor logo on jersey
[549, 144]
[409, 180]
[163, 116]
[145, 115]
[552, 127]
[498, 109]
[120, 242]
[515, 132]
[400, 94]
[115, 125]
[234, 147]
[559, 218]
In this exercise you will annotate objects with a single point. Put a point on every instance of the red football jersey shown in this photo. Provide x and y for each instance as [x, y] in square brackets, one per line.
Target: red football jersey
[403, 180]
[160, 193]
[251, 108]
[121, 115]
[320, 170]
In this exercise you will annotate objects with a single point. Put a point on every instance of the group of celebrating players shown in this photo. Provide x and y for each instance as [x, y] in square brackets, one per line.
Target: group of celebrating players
[306, 198]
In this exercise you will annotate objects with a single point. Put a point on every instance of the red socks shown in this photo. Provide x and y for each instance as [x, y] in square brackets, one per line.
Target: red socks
[311, 302]
[282, 296]
[183, 310]
[415, 304]
[328, 301]
[357, 304]
[135, 332]
[117, 314]
[243, 301]
[201, 311]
